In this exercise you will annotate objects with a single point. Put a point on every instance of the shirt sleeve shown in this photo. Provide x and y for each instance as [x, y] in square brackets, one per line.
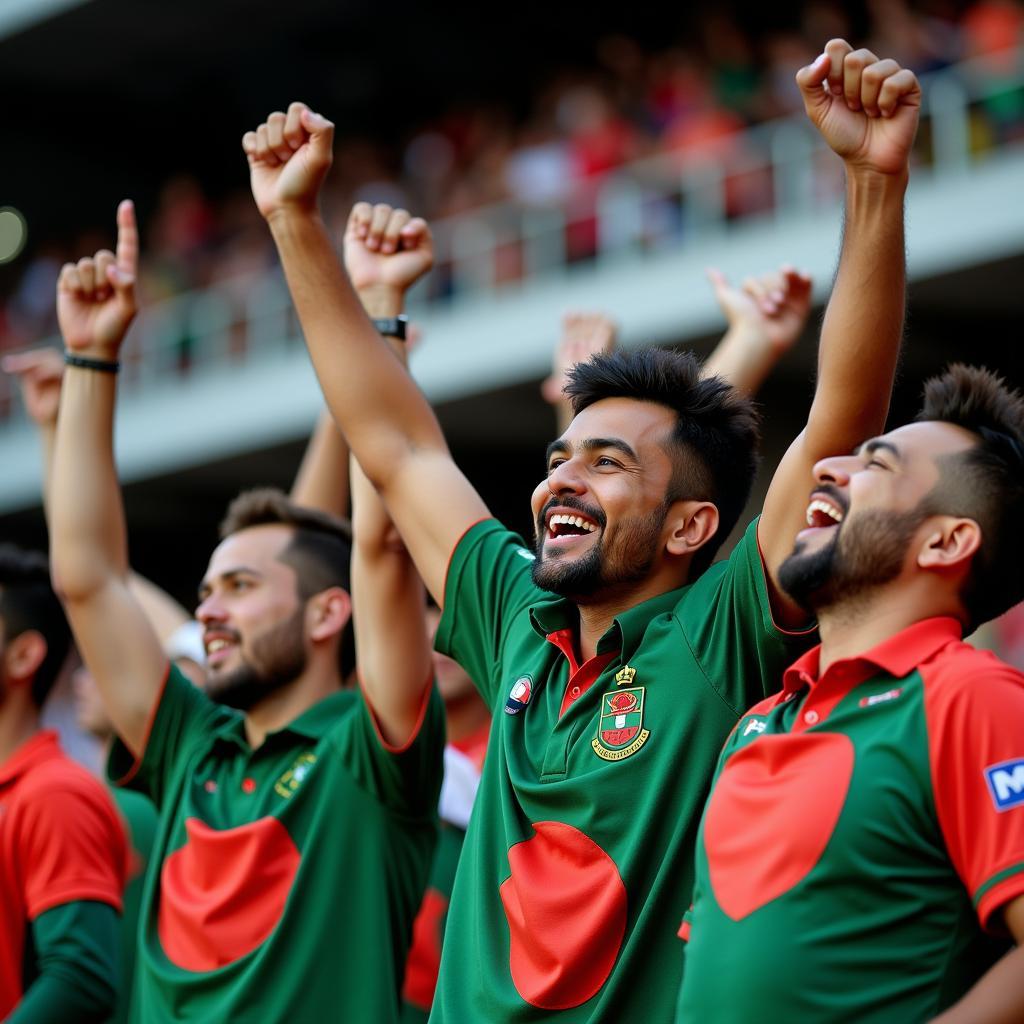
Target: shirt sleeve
[406, 779]
[76, 947]
[182, 716]
[975, 715]
[727, 619]
[489, 582]
[71, 846]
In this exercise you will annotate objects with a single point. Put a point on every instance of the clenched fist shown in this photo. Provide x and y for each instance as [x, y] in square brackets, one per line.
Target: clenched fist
[39, 372]
[386, 248]
[865, 108]
[289, 157]
[96, 295]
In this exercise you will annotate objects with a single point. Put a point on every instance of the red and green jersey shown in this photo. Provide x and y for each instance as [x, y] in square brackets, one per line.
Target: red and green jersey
[288, 876]
[61, 841]
[864, 829]
[583, 829]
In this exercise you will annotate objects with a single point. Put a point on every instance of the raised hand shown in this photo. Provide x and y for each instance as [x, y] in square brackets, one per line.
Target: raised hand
[386, 248]
[865, 108]
[96, 296]
[583, 335]
[289, 157]
[39, 373]
[771, 309]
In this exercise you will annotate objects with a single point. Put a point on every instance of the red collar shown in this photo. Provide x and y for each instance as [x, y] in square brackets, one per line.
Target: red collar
[898, 655]
[40, 747]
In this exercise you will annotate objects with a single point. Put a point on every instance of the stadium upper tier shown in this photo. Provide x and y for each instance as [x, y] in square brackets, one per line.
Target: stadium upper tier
[222, 370]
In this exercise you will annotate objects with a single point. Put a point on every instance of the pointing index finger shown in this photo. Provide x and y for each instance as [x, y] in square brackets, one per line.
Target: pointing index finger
[127, 239]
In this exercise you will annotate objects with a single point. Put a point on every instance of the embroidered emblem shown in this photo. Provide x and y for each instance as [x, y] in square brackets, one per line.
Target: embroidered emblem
[1006, 784]
[295, 776]
[879, 698]
[754, 725]
[625, 676]
[620, 731]
[519, 696]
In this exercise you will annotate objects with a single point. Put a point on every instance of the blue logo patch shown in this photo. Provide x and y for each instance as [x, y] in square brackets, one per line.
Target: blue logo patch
[1006, 783]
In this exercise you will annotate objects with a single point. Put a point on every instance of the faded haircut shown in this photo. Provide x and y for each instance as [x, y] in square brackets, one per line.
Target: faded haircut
[713, 447]
[28, 602]
[984, 483]
[320, 550]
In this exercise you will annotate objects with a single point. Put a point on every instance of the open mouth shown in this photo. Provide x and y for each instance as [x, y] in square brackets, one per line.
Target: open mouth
[218, 648]
[564, 527]
[822, 514]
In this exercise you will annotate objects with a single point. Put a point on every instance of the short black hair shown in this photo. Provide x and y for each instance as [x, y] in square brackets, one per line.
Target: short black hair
[715, 440]
[320, 550]
[984, 483]
[28, 602]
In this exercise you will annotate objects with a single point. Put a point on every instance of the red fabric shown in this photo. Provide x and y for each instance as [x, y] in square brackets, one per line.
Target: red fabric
[566, 907]
[425, 952]
[474, 746]
[768, 786]
[581, 677]
[223, 892]
[61, 840]
[974, 705]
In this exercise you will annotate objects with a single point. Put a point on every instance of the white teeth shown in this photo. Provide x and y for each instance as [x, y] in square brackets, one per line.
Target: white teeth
[577, 521]
[825, 508]
[216, 645]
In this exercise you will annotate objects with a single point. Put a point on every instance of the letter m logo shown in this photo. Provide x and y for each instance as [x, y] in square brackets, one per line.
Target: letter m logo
[1006, 783]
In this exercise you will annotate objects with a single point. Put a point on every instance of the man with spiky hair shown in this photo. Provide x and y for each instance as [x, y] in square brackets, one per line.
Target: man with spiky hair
[612, 686]
[887, 901]
[63, 852]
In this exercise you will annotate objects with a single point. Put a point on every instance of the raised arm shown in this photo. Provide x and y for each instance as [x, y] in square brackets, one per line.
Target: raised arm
[388, 424]
[322, 481]
[88, 547]
[867, 111]
[388, 601]
[583, 335]
[765, 316]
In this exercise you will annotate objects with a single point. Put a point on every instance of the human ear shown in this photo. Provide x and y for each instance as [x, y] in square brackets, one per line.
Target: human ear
[696, 522]
[23, 656]
[329, 611]
[950, 545]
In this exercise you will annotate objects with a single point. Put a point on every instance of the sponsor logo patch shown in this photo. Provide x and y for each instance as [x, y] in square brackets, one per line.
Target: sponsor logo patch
[620, 731]
[519, 696]
[879, 698]
[1006, 783]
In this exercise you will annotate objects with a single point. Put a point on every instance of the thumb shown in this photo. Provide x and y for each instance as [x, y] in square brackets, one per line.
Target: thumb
[321, 131]
[810, 79]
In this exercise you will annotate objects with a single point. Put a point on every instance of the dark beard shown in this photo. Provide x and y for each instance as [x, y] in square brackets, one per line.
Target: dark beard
[595, 573]
[866, 552]
[279, 658]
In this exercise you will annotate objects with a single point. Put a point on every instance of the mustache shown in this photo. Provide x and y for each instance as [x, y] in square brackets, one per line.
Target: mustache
[230, 634]
[591, 512]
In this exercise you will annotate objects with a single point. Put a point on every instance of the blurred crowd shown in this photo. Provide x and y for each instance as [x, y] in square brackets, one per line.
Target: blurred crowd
[693, 96]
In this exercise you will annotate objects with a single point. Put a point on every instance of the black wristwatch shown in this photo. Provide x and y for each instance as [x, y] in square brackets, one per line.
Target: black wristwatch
[392, 326]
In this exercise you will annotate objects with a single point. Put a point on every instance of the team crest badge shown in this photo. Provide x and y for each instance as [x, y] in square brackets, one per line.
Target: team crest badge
[620, 729]
[519, 696]
[295, 776]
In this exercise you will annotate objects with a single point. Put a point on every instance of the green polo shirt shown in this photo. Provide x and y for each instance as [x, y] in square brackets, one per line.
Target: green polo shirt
[865, 828]
[577, 862]
[289, 875]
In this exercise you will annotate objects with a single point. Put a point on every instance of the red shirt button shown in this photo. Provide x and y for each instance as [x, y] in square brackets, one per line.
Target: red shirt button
[811, 717]
[248, 785]
[574, 692]
[210, 786]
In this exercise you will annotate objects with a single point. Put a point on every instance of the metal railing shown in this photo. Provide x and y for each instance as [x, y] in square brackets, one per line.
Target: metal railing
[778, 169]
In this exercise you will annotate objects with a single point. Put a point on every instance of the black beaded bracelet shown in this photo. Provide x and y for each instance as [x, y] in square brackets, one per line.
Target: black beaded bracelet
[87, 363]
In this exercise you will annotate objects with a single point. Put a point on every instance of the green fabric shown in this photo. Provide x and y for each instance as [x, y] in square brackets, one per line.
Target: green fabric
[701, 654]
[140, 817]
[362, 819]
[880, 930]
[72, 968]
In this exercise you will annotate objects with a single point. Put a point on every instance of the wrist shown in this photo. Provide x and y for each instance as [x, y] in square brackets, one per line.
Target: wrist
[291, 215]
[869, 181]
[382, 300]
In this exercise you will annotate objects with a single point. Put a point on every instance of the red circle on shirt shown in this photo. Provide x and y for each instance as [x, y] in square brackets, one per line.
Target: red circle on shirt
[566, 907]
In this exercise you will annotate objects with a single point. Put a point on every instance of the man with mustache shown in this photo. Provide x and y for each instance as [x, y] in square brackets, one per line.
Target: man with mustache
[287, 805]
[862, 850]
[615, 660]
